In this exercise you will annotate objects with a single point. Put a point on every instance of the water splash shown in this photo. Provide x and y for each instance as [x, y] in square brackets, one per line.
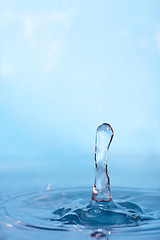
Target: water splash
[72, 210]
[101, 189]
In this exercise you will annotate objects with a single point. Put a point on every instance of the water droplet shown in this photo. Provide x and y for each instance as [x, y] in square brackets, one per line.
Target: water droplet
[98, 234]
[101, 189]
[48, 187]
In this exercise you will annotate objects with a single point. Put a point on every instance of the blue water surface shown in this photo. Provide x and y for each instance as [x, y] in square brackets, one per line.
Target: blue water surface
[28, 191]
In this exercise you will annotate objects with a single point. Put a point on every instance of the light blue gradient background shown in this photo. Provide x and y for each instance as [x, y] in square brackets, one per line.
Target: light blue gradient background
[65, 68]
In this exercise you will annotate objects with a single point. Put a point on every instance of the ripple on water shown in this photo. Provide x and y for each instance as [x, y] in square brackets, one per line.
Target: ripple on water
[71, 210]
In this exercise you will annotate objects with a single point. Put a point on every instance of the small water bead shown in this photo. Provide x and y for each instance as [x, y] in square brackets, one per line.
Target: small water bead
[101, 189]
[98, 234]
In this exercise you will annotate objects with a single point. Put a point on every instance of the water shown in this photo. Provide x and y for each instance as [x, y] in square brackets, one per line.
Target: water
[71, 213]
[133, 213]
[101, 189]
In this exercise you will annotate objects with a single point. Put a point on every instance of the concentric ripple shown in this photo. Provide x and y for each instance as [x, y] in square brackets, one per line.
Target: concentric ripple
[71, 210]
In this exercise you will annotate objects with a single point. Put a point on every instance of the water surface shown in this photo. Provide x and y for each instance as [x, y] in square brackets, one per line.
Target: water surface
[70, 214]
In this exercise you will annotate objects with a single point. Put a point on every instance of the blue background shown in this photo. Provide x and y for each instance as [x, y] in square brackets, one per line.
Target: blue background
[65, 68]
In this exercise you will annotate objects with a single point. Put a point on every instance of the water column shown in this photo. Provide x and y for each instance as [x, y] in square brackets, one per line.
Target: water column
[101, 189]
